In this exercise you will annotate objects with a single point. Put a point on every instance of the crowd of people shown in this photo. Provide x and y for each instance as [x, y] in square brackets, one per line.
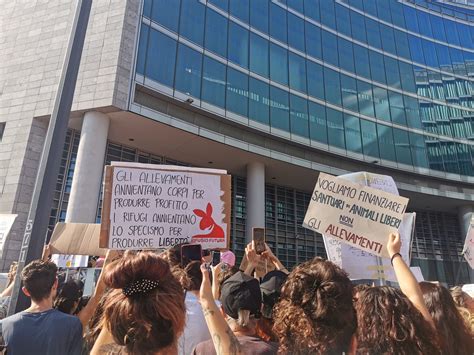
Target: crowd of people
[150, 303]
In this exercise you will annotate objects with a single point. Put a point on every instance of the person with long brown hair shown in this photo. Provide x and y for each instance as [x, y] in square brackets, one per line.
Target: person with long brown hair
[393, 321]
[315, 313]
[454, 336]
[145, 311]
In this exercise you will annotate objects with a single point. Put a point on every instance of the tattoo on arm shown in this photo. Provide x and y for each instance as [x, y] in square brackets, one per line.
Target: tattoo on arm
[234, 345]
[207, 312]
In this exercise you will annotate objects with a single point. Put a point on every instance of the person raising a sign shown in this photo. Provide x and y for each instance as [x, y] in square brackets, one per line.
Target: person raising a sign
[393, 321]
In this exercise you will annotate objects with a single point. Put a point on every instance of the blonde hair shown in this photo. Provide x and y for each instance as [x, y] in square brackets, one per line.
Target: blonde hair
[244, 321]
[468, 318]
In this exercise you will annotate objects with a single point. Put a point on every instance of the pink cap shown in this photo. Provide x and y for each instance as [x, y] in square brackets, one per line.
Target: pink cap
[228, 257]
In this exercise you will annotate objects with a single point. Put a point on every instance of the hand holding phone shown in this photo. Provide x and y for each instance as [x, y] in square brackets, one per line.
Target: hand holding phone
[258, 237]
[216, 258]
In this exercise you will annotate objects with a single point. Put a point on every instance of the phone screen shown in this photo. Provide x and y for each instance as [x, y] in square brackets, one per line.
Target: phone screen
[190, 252]
[216, 258]
[259, 239]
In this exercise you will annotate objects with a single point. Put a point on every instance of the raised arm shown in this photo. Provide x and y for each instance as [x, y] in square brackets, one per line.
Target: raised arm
[86, 313]
[252, 258]
[407, 281]
[268, 254]
[225, 342]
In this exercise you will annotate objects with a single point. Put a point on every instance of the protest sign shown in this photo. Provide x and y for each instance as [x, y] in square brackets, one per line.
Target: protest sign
[76, 239]
[469, 289]
[68, 261]
[361, 265]
[157, 206]
[355, 214]
[6, 223]
[468, 250]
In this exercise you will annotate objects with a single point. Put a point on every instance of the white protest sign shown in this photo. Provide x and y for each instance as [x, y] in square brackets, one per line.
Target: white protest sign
[6, 223]
[68, 261]
[157, 206]
[468, 250]
[469, 289]
[355, 214]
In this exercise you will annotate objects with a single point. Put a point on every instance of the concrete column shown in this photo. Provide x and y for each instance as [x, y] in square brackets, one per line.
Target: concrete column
[255, 198]
[87, 180]
[465, 215]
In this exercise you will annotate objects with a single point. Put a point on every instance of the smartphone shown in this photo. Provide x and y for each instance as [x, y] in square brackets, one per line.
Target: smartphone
[190, 252]
[216, 258]
[258, 237]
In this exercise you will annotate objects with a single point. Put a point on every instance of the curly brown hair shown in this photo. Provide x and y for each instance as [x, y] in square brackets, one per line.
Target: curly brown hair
[454, 336]
[147, 322]
[315, 313]
[388, 323]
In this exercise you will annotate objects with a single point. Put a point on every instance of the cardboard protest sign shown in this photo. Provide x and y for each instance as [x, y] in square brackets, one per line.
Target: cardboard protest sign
[361, 265]
[157, 206]
[6, 223]
[468, 249]
[358, 215]
[76, 239]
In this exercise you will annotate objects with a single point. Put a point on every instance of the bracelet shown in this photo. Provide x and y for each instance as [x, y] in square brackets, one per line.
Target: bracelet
[393, 257]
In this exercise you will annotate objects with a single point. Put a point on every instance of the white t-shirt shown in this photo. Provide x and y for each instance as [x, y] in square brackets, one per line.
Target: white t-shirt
[196, 329]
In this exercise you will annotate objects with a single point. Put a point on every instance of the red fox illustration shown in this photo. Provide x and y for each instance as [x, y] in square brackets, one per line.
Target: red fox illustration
[208, 223]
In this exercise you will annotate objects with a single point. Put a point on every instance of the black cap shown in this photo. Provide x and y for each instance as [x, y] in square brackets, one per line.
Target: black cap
[241, 291]
[271, 290]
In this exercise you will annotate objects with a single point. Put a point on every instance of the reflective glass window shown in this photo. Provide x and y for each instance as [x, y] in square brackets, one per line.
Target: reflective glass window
[402, 146]
[147, 8]
[392, 73]
[240, 9]
[296, 32]
[328, 16]
[166, 13]
[259, 61]
[223, 4]
[296, 4]
[430, 54]
[237, 92]
[278, 64]
[369, 138]
[384, 10]
[412, 112]
[259, 101]
[313, 40]
[424, 23]
[451, 33]
[466, 166]
[311, 9]
[335, 128]
[239, 45]
[329, 44]
[366, 100]
[352, 132]
[343, 20]
[418, 150]
[358, 26]
[142, 46]
[361, 59]
[401, 42]
[213, 82]
[299, 116]
[386, 144]
[346, 55]
[411, 19]
[349, 93]
[456, 57]
[259, 15]
[297, 67]
[416, 49]
[315, 80]
[382, 110]
[216, 33]
[278, 25]
[333, 86]
[396, 10]
[388, 39]
[370, 7]
[465, 38]
[317, 122]
[161, 68]
[442, 52]
[192, 20]
[279, 109]
[373, 33]
[438, 28]
[407, 76]
[397, 110]
[377, 68]
[188, 71]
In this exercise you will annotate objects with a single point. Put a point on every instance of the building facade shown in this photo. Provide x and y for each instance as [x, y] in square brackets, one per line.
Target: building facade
[275, 92]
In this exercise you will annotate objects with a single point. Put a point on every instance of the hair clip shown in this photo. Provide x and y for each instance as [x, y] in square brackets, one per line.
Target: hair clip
[140, 286]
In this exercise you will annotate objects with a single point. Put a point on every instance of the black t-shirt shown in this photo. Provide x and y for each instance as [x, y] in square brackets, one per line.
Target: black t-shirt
[50, 332]
[250, 346]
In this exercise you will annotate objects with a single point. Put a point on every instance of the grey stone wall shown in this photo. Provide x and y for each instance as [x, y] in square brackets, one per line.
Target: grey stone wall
[33, 41]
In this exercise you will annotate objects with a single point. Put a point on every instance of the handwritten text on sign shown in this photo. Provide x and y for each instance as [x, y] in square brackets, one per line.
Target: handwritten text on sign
[152, 209]
[358, 215]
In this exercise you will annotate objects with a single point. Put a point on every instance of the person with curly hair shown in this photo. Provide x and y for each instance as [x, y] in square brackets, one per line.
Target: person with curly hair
[315, 314]
[454, 335]
[393, 321]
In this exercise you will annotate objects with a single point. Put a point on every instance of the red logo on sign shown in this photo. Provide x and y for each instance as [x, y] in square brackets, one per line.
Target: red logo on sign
[208, 223]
